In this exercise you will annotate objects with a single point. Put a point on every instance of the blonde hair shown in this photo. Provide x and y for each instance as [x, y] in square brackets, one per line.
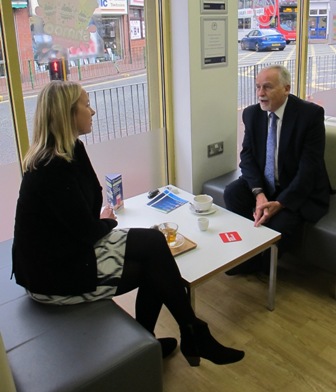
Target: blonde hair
[55, 130]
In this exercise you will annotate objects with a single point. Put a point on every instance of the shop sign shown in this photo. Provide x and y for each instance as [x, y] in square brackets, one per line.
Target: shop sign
[116, 7]
[138, 3]
[19, 4]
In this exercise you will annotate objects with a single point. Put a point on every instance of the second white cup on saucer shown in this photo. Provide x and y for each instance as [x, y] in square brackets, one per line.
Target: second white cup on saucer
[203, 223]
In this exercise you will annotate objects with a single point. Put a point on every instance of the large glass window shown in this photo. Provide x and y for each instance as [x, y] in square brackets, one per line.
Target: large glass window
[321, 56]
[10, 172]
[316, 63]
[93, 46]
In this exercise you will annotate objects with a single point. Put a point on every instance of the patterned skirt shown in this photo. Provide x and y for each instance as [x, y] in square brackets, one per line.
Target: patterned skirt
[110, 254]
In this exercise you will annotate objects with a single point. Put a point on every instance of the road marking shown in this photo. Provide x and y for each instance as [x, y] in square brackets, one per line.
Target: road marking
[245, 56]
[332, 48]
[290, 54]
[262, 60]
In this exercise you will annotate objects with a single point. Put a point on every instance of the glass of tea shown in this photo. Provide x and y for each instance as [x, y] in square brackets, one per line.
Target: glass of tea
[169, 229]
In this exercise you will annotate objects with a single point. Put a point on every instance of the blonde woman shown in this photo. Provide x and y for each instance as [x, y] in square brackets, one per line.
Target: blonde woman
[66, 251]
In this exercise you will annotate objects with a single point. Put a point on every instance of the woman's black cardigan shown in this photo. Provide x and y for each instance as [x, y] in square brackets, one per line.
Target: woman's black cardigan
[57, 224]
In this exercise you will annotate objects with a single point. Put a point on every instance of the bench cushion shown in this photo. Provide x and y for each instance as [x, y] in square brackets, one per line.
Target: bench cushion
[319, 241]
[215, 186]
[87, 347]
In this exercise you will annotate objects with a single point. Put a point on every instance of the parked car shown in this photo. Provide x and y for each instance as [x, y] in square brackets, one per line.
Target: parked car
[263, 39]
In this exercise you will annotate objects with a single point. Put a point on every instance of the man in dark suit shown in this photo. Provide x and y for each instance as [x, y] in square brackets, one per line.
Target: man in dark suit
[298, 190]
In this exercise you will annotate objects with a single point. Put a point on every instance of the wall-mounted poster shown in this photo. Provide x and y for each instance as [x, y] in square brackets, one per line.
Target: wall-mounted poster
[135, 29]
[213, 41]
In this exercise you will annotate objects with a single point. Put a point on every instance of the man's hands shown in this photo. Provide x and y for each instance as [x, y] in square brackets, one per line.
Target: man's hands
[265, 209]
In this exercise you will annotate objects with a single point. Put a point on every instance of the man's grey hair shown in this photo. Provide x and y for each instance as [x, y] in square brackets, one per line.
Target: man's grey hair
[284, 75]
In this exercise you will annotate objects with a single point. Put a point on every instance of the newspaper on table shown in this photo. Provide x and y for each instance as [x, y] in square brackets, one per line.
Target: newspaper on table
[166, 201]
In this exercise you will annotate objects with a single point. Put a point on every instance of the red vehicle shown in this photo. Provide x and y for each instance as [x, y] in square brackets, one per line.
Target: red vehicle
[278, 14]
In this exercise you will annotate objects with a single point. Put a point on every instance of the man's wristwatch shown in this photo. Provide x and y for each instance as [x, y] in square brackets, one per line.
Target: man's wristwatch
[257, 191]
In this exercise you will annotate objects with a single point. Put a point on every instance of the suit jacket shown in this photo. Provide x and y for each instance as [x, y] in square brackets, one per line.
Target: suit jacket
[303, 180]
[57, 224]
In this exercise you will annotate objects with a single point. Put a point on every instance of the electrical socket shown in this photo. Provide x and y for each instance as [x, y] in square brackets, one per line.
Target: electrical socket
[215, 149]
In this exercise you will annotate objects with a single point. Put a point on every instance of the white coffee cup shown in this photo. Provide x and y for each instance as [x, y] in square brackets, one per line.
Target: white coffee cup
[202, 202]
[203, 223]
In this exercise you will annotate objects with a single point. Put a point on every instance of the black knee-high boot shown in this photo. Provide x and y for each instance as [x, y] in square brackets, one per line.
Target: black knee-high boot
[197, 342]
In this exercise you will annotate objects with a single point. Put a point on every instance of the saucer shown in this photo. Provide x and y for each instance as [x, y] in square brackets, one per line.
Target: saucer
[207, 212]
[179, 241]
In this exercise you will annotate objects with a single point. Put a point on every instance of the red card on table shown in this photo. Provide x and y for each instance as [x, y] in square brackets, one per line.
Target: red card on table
[230, 236]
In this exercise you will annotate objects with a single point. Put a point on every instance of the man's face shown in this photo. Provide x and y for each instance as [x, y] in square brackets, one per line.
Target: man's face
[270, 92]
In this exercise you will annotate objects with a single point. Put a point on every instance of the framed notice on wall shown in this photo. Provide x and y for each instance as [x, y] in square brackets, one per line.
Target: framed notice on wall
[213, 41]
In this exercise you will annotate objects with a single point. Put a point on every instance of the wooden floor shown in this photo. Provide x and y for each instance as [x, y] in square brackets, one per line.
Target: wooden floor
[292, 349]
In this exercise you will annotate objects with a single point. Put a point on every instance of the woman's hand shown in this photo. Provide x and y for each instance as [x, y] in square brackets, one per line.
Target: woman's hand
[107, 213]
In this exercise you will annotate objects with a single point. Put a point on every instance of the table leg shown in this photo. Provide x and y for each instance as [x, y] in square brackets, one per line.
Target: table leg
[272, 277]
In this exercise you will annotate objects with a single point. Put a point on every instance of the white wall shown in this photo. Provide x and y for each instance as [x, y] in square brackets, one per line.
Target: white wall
[204, 100]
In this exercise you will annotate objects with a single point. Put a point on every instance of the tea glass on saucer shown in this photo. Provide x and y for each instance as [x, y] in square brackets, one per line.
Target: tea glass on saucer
[169, 229]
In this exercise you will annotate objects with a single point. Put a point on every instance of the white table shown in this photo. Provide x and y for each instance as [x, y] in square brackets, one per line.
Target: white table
[211, 255]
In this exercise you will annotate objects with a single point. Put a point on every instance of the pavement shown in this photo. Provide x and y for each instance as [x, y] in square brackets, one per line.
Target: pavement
[28, 90]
